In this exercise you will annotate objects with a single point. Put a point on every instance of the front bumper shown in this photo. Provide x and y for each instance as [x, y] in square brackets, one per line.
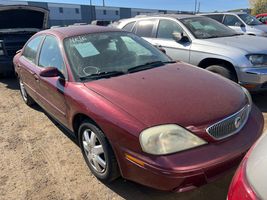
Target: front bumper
[190, 169]
[254, 79]
[6, 65]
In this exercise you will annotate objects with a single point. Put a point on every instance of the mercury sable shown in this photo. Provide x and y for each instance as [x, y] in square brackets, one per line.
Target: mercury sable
[135, 112]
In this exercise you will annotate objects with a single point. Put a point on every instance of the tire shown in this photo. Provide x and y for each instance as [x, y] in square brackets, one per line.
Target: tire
[25, 96]
[101, 160]
[223, 71]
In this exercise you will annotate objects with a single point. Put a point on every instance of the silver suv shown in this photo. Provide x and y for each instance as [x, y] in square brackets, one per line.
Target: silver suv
[206, 43]
[241, 23]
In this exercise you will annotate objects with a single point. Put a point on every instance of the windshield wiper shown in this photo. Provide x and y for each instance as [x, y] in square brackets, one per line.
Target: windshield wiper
[102, 75]
[148, 65]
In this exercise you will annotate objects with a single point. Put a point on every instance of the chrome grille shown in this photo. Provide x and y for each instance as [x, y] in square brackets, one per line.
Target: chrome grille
[230, 125]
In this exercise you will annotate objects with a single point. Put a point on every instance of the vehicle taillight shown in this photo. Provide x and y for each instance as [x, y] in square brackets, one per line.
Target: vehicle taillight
[240, 188]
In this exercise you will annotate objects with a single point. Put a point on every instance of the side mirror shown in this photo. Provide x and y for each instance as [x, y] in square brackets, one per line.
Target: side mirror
[179, 37]
[51, 72]
[239, 24]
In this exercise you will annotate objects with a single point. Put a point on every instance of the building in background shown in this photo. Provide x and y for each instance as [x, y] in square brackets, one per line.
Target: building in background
[65, 14]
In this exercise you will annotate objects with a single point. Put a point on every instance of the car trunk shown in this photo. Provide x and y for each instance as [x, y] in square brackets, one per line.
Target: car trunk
[18, 23]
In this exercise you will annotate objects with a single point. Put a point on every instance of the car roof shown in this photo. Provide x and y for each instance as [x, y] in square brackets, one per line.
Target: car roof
[223, 13]
[176, 16]
[71, 31]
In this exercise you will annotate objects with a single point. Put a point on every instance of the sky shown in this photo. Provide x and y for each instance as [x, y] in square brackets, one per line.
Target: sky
[187, 5]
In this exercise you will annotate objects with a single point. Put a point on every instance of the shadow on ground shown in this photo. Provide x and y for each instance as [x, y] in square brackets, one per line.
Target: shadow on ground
[260, 99]
[10, 83]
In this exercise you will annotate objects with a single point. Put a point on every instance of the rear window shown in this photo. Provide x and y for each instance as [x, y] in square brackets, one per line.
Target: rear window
[144, 28]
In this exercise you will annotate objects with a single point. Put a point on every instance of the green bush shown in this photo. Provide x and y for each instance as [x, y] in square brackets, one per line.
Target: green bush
[259, 6]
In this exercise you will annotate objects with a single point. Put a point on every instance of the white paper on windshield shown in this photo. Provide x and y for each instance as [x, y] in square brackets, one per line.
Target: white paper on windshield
[86, 49]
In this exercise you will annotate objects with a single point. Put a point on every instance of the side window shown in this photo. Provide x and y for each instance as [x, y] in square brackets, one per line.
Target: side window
[231, 20]
[217, 17]
[50, 55]
[128, 27]
[144, 28]
[30, 50]
[167, 28]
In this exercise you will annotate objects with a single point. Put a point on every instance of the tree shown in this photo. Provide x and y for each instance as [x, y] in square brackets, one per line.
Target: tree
[258, 6]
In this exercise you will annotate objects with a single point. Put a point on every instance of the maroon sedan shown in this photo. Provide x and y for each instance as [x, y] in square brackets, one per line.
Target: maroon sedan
[136, 113]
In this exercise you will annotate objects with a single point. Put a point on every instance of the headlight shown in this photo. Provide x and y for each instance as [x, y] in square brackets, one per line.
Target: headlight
[248, 96]
[166, 139]
[2, 52]
[258, 59]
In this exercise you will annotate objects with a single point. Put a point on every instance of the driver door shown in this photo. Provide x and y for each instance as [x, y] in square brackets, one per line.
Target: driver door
[234, 23]
[52, 89]
[164, 39]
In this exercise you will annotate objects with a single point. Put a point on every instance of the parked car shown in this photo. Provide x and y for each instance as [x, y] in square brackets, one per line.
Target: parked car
[135, 112]
[206, 43]
[262, 18]
[249, 182]
[101, 22]
[240, 22]
[17, 24]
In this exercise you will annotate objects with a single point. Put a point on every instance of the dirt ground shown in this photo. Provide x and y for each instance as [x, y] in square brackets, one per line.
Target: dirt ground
[38, 160]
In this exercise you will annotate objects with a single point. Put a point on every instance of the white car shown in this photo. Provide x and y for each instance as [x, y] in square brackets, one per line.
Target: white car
[241, 23]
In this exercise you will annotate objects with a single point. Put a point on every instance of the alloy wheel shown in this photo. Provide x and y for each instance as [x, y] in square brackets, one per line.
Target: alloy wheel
[23, 91]
[94, 151]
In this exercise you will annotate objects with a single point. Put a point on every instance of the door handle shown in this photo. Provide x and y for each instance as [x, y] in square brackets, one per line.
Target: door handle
[36, 77]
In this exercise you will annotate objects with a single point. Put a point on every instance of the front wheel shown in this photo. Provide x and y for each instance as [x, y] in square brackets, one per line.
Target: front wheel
[97, 152]
[223, 71]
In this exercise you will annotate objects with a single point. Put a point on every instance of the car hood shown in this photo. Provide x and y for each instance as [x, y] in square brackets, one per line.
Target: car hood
[22, 17]
[262, 27]
[177, 93]
[246, 43]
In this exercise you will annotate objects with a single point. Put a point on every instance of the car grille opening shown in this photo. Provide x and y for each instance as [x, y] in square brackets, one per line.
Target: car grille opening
[230, 125]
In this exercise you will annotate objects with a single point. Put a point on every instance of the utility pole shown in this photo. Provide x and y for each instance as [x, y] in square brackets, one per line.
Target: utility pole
[195, 6]
[103, 3]
[198, 10]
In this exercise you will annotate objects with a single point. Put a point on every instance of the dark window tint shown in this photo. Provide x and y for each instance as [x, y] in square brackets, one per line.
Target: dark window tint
[144, 28]
[167, 28]
[128, 27]
[31, 49]
[77, 10]
[60, 10]
[50, 55]
[218, 18]
[231, 20]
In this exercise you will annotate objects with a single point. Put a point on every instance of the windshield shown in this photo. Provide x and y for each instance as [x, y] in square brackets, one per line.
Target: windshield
[249, 20]
[204, 28]
[113, 53]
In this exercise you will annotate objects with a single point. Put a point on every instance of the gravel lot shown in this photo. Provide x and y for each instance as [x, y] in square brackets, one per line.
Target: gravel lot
[40, 161]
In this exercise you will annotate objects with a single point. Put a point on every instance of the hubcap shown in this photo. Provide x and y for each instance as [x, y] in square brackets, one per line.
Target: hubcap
[23, 91]
[94, 151]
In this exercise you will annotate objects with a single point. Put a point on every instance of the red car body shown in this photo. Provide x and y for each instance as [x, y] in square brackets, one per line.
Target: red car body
[262, 17]
[124, 106]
